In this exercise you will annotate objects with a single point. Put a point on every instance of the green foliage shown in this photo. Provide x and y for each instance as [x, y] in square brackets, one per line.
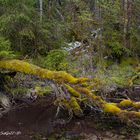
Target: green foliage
[66, 21]
[117, 76]
[113, 34]
[135, 38]
[56, 60]
[18, 90]
[115, 47]
[4, 44]
[130, 61]
[78, 21]
[43, 90]
[21, 26]
[5, 50]
[19, 22]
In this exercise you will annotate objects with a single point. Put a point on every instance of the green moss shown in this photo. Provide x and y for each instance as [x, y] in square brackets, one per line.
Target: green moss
[72, 105]
[25, 67]
[72, 91]
[136, 105]
[75, 106]
[111, 108]
[126, 103]
[43, 90]
[129, 61]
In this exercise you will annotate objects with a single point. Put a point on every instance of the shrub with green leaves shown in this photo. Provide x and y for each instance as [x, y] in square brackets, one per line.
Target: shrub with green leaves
[56, 60]
[5, 50]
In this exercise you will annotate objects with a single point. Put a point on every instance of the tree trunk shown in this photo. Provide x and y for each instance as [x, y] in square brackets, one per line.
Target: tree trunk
[125, 17]
[41, 9]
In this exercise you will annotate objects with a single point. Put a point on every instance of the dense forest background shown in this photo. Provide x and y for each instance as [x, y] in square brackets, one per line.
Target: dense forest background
[47, 30]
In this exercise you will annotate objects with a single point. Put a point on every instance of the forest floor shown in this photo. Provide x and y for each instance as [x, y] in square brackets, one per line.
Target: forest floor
[37, 121]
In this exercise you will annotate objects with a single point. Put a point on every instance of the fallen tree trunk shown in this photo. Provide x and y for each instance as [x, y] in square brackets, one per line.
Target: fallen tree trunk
[24, 67]
[75, 90]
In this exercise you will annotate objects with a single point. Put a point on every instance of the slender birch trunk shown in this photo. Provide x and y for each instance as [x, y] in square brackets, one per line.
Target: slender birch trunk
[41, 9]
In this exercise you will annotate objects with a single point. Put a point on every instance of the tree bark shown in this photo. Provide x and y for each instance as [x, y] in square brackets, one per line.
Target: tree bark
[125, 16]
[41, 10]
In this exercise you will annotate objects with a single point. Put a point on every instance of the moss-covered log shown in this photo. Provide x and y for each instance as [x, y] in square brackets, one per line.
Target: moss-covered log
[24, 67]
[76, 88]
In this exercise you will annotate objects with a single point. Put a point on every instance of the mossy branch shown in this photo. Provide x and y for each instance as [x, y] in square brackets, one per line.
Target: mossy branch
[25, 67]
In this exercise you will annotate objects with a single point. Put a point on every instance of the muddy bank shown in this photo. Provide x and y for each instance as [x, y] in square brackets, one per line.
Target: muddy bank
[37, 121]
[27, 120]
[33, 117]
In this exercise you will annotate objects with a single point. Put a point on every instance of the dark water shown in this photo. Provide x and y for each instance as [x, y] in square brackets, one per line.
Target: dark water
[24, 122]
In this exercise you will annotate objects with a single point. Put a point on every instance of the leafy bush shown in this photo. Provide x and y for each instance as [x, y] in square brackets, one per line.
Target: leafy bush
[5, 50]
[56, 60]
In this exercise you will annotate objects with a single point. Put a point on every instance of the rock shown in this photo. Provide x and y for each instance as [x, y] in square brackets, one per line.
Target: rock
[136, 88]
[90, 136]
[72, 135]
[138, 137]
[4, 101]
